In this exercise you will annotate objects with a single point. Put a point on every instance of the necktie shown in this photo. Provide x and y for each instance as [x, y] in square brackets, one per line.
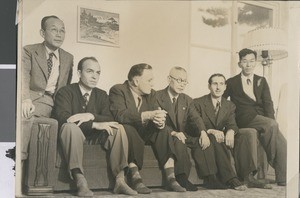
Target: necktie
[50, 63]
[248, 81]
[85, 98]
[139, 103]
[174, 104]
[217, 107]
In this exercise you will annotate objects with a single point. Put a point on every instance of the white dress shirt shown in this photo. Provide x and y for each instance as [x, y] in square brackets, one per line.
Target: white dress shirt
[52, 81]
[248, 88]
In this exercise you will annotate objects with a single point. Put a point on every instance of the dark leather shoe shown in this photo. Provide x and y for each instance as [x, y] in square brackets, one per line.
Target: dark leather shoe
[184, 182]
[236, 184]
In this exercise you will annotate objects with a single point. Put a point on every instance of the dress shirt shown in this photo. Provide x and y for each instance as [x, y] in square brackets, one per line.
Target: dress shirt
[84, 91]
[248, 89]
[52, 81]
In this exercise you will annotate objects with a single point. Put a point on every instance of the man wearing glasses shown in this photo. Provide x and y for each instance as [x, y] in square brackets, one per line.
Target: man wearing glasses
[45, 68]
[182, 113]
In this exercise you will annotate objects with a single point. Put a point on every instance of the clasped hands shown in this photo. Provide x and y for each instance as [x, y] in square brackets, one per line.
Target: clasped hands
[85, 117]
[220, 137]
[158, 117]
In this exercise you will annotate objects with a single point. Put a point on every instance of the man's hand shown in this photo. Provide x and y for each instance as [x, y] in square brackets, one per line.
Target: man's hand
[204, 140]
[229, 138]
[179, 135]
[81, 118]
[219, 135]
[27, 108]
[107, 126]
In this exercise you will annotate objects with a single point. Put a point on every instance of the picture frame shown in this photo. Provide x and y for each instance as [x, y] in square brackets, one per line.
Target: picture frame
[98, 27]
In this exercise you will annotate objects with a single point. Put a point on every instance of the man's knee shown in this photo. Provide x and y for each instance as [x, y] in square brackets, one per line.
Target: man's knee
[70, 130]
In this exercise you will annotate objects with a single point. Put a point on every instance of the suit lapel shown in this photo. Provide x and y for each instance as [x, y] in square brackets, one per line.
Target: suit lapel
[222, 111]
[41, 59]
[166, 104]
[181, 111]
[209, 110]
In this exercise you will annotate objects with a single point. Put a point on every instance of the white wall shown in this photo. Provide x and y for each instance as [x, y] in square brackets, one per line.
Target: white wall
[153, 32]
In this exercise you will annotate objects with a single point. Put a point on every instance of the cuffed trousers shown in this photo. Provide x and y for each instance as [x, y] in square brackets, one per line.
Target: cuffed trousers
[72, 140]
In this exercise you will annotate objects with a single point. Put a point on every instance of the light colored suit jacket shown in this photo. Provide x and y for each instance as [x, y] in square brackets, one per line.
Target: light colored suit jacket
[35, 72]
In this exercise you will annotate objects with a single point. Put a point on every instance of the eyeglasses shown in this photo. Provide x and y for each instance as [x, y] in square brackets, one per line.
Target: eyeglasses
[179, 80]
[56, 31]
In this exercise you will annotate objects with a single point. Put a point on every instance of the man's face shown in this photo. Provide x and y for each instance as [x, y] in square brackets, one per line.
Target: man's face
[177, 81]
[145, 81]
[54, 33]
[247, 64]
[90, 74]
[217, 86]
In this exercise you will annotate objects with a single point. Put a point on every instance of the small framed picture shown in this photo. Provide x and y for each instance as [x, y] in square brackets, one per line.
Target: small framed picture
[98, 27]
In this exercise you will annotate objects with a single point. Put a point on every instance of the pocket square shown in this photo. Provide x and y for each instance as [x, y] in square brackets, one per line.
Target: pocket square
[258, 82]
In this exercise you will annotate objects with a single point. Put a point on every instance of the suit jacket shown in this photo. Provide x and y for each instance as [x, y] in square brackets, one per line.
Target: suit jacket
[226, 116]
[35, 71]
[246, 107]
[69, 101]
[123, 107]
[186, 113]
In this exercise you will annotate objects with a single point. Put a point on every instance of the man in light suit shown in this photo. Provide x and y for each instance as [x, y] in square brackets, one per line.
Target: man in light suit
[254, 109]
[45, 68]
[82, 111]
[218, 115]
[134, 105]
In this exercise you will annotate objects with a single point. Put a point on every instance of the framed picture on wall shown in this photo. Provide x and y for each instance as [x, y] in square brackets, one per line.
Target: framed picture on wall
[98, 27]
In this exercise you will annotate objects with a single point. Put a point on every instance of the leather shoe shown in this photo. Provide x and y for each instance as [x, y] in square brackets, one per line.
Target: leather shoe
[184, 182]
[139, 186]
[172, 185]
[211, 182]
[236, 184]
[82, 187]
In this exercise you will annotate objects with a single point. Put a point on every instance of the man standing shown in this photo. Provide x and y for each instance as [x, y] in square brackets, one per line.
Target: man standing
[254, 109]
[45, 68]
[82, 111]
[218, 115]
[134, 105]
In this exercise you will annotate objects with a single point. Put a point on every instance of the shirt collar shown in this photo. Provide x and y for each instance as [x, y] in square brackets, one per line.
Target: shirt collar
[48, 51]
[247, 77]
[171, 95]
[135, 95]
[214, 101]
[83, 91]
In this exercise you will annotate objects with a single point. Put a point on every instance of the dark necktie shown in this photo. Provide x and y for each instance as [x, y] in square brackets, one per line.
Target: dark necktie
[85, 99]
[50, 63]
[174, 104]
[248, 81]
[217, 107]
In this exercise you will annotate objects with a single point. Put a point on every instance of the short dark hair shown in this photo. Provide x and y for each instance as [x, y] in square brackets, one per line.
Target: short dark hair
[244, 52]
[216, 75]
[137, 70]
[80, 63]
[43, 22]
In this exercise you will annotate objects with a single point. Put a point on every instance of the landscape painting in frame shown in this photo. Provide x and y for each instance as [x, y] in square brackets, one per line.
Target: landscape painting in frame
[98, 27]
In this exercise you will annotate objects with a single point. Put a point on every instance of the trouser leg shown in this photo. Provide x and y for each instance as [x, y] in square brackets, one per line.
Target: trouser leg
[183, 162]
[117, 144]
[245, 152]
[136, 146]
[204, 159]
[222, 156]
[72, 140]
[274, 144]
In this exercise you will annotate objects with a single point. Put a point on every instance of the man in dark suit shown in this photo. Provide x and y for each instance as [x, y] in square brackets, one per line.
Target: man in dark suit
[181, 119]
[218, 115]
[254, 109]
[134, 105]
[82, 111]
[45, 68]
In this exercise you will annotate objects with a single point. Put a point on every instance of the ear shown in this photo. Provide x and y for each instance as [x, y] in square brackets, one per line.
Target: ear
[239, 64]
[169, 79]
[136, 81]
[42, 33]
[79, 73]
